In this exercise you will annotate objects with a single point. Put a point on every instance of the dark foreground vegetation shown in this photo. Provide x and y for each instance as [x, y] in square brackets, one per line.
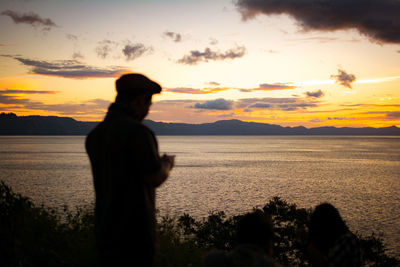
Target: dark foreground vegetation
[40, 236]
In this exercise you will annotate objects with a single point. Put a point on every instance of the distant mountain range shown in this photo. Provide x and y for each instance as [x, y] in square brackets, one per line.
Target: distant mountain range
[11, 124]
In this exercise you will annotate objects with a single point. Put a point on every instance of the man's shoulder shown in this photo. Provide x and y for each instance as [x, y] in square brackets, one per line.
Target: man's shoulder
[125, 124]
[138, 127]
[119, 127]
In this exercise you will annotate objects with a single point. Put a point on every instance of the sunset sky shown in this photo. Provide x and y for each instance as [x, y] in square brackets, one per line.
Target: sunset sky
[287, 62]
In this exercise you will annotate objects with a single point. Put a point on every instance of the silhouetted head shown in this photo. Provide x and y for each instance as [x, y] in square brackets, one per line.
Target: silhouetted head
[129, 86]
[136, 91]
[256, 228]
[326, 225]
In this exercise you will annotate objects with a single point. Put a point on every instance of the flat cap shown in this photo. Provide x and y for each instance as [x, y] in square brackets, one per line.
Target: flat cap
[134, 83]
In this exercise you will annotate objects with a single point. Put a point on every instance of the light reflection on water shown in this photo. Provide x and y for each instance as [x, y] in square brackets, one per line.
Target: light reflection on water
[359, 175]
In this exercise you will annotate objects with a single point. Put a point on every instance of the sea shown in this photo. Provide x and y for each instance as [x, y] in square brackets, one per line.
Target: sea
[360, 175]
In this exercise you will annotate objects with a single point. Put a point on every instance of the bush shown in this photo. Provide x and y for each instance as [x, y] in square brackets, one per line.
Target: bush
[39, 236]
[217, 231]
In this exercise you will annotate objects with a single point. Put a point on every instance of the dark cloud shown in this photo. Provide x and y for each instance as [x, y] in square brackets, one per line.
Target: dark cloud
[197, 56]
[379, 20]
[217, 104]
[260, 105]
[69, 69]
[174, 36]
[133, 51]
[316, 94]
[343, 78]
[30, 18]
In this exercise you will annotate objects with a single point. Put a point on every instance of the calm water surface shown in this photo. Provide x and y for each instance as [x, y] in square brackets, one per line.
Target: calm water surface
[359, 175]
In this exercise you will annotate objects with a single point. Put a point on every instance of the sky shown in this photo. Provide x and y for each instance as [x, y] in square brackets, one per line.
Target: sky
[289, 62]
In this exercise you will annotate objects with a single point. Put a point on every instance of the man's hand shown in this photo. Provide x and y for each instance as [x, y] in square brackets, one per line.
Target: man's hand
[169, 159]
[167, 163]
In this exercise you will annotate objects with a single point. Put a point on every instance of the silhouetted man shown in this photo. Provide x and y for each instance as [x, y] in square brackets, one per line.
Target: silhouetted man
[127, 168]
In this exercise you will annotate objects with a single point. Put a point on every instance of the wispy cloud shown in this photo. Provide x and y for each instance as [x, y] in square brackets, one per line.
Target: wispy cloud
[213, 41]
[196, 91]
[93, 106]
[77, 56]
[15, 97]
[270, 86]
[372, 105]
[344, 79]
[176, 37]
[16, 100]
[129, 50]
[70, 69]
[378, 80]
[217, 104]
[337, 118]
[393, 115]
[215, 88]
[104, 48]
[30, 18]
[26, 92]
[213, 83]
[378, 20]
[251, 104]
[331, 82]
[283, 104]
[196, 56]
[383, 114]
[71, 37]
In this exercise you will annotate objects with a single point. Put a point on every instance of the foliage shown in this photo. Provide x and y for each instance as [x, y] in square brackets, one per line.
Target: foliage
[287, 218]
[39, 236]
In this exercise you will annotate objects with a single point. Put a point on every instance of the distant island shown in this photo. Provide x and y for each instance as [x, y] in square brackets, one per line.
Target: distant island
[11, 124]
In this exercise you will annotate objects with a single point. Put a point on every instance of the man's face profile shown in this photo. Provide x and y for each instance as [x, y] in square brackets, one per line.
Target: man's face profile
[142, 104]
